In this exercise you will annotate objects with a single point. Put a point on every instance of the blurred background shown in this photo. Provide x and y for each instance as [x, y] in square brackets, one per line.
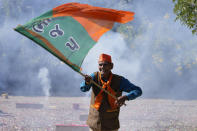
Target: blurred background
[153, 51]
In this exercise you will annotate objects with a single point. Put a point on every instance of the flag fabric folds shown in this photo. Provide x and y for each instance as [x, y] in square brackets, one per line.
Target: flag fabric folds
[70, 30]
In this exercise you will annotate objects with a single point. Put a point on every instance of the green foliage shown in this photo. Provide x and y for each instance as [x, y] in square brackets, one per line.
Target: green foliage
[186, 11]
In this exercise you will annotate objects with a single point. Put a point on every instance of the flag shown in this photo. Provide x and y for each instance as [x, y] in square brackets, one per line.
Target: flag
[70, 30]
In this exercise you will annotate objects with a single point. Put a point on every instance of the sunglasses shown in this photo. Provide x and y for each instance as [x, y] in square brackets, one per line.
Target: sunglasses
[104, 64]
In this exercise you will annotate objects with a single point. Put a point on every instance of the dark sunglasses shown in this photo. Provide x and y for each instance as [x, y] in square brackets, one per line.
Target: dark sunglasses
[104, 64]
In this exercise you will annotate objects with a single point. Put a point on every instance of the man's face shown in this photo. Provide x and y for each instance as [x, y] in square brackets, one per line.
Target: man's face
[105, 68]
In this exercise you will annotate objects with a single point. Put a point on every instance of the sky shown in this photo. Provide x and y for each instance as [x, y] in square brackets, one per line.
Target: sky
[160, 56]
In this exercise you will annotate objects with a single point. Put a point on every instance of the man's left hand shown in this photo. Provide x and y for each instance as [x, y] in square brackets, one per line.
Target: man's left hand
[121, 100]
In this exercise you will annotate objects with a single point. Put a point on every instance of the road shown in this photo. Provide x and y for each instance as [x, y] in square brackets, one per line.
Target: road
[19, 113]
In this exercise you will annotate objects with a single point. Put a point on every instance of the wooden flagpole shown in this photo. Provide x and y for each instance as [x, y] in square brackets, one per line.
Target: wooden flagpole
[101, 88]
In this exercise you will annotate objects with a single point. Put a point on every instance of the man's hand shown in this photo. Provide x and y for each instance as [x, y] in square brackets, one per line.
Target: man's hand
[88, 79]
[121, 100]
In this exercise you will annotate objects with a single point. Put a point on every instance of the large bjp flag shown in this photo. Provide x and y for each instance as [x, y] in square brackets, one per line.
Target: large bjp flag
[70, 30]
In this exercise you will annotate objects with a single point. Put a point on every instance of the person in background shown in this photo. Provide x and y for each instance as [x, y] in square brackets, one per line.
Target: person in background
[104, 109]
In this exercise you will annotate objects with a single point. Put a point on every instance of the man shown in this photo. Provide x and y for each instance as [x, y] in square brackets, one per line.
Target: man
[104, 109]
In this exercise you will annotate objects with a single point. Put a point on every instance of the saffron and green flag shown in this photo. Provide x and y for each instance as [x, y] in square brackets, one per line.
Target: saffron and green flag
[69, 31]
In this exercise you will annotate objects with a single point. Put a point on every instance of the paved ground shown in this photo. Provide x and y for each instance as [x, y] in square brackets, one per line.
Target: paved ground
[43, 114]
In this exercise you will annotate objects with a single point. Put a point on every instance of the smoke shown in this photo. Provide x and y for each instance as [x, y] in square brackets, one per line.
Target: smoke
[112, 43]
[158, 57]
[166, 51]
[45, 81]
[158, 54]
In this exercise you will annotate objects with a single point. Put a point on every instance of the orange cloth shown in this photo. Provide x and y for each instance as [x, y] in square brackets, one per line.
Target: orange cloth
[105, 57]
[95, 20]
[99, 97]
[85, 10]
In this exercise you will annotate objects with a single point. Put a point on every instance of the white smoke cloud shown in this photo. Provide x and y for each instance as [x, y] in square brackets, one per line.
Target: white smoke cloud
[112, 43]
[21, 59]
[43, 75]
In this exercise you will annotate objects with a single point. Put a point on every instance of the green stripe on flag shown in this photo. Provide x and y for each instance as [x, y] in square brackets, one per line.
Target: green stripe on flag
[44, 16]
[65, 34]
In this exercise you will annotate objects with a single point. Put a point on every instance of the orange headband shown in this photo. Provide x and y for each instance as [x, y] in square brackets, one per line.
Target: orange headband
[105, 57]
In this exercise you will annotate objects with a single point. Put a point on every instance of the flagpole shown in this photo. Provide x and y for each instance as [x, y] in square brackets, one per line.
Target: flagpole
[101, 87]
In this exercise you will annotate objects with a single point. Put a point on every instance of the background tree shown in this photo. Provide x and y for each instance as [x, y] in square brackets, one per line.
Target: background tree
[186, 11]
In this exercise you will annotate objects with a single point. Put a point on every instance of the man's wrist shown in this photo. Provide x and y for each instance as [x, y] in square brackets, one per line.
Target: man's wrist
[87, 83]
[127, 97]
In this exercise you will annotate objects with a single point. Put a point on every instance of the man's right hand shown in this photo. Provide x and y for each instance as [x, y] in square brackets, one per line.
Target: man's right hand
[88, 79]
